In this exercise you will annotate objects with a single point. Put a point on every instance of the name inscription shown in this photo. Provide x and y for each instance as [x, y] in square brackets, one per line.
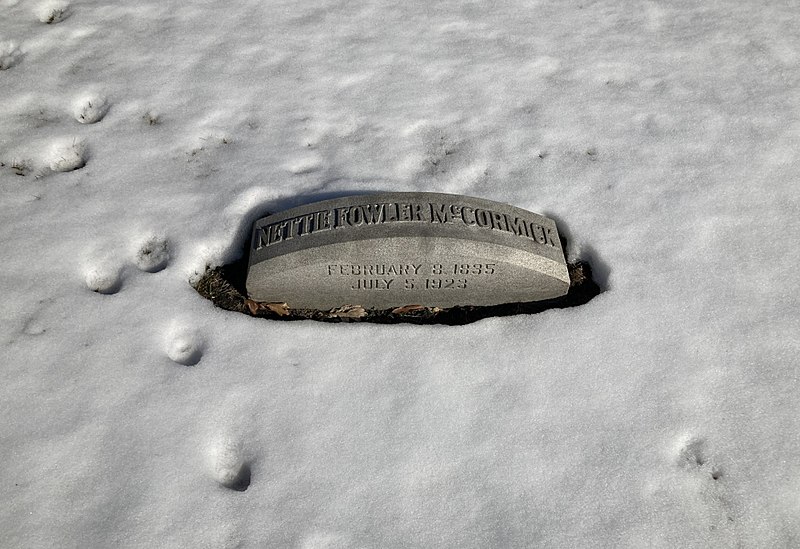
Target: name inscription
[397, 212]
[391, 249]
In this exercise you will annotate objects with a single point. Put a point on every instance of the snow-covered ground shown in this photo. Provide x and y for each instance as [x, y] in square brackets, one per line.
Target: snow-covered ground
[139, 140]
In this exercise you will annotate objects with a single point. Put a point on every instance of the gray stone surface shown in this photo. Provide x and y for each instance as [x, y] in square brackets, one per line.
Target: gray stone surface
[392, 249]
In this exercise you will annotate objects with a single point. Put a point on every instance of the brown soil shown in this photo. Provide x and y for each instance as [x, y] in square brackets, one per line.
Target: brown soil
[225, 287]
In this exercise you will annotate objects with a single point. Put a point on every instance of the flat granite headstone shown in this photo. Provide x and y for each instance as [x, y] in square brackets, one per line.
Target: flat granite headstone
[393, 249]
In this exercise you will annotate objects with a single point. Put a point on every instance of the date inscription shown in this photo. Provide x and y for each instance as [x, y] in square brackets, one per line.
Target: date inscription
[411, 276]
[385, 250]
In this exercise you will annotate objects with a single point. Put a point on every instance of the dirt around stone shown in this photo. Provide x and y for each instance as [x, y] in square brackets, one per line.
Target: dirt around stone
[225, 287]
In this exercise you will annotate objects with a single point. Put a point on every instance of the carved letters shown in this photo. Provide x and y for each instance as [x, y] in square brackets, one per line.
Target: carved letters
[393, 249]
[392, 212]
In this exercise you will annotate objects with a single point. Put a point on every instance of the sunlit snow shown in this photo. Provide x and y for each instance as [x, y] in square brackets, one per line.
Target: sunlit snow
[138, 142]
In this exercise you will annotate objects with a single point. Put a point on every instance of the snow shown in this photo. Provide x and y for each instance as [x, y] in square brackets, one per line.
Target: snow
[139, 141]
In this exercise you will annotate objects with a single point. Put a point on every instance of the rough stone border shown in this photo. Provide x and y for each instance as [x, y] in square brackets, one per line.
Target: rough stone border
[225, 287]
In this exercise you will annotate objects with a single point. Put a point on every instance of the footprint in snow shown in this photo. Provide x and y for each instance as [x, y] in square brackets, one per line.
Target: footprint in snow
[184, 345]
[51, 12]
[228, 465]
[68, 155]
[151, 118]
[103, 278]
[152, 255]
[692, 455]
[34, 326]
[10, 55]
[713, 496]
[90, 109]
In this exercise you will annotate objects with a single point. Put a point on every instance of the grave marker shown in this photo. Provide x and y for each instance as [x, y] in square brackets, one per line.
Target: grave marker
[392, 249]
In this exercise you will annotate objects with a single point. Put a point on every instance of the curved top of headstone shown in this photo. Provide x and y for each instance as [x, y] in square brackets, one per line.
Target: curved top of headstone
[392, 249]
